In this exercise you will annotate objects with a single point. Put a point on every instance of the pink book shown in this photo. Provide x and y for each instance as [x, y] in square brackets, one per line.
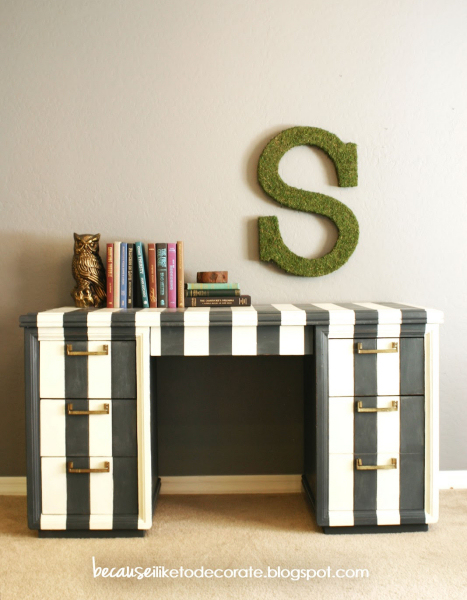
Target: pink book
[172, 274]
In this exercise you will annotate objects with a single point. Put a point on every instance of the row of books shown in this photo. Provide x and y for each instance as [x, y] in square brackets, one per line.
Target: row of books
[134, 281]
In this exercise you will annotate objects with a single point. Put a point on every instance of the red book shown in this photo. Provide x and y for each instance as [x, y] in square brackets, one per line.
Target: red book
[172, 274]
[152, 276]
[110, 275]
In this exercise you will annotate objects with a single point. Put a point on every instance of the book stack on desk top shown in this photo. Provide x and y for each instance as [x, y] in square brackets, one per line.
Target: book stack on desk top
[213, 289]
[139, 280]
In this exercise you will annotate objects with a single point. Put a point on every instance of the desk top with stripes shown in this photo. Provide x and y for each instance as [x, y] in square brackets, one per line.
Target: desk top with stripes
[342, 313]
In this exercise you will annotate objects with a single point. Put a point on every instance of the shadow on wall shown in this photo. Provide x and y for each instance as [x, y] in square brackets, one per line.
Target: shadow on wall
[36, 271]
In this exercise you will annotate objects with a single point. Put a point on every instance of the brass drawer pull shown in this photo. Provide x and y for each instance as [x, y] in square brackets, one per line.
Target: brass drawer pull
[394, 348]
[70, 411]
[361, 467]
[360, 409]
[71, 352]
[106, 469]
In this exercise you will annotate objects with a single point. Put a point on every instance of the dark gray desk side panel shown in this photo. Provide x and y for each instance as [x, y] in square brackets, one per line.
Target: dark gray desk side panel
[33, 454]
[317, 429]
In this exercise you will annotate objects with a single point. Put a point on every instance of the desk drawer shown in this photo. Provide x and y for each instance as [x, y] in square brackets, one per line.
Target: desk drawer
[113, 492]
[110, 429]
[376, 367]
[108, 372]
[379, 496]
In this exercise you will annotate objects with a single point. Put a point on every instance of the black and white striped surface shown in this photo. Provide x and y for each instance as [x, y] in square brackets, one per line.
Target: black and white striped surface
[380, 497]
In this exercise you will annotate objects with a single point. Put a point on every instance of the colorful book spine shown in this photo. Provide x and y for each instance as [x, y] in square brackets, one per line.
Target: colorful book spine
[212, 293]
[123, 275]
[172, 274]
[180, 276]
[238, 301]
[212, 286]
[152, 276]
[110, 275]
[117, 274]
[130, 276]
[142, 274]
[161, 274]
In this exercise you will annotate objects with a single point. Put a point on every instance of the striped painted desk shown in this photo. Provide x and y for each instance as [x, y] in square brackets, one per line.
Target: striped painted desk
[371, 408]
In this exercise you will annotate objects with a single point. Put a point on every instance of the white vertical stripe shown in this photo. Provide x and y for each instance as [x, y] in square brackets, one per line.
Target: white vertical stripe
[156, 341]
[388, 426]
[53, 427]
[341, 425]
[99, 324]
[196, 341]
[244, 341]
[100, 521]
[53, 485]
[341, 367]
[388, 368]
[341, 476]
[53, 522]
[100, 371]
[341, 518]
[100, 429]
[143, 414]
[341, 320]
[291, 340]
[196, 338]
[101, 487]
[244, 316]
[290, 314]
[52, 370]
[387, 491]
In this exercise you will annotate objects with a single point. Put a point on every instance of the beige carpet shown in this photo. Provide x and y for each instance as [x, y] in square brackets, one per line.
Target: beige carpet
[228, 532]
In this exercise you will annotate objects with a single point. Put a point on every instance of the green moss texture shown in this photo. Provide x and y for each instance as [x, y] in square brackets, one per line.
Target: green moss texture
[344, 157]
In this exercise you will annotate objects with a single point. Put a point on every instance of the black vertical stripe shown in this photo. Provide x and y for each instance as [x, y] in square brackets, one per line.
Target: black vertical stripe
[269, 314]
[365, 448]
[220, 337]
[365, 431]
[125, 479]
[268, 339]
[412, 366]
[365, 369]
[308, 333]
[77, 429]
[172, 333]
[412, 424]
[412, 485]
[124, 440]
[78, 490]
[76, 370]
[366, 319]
[123, 365]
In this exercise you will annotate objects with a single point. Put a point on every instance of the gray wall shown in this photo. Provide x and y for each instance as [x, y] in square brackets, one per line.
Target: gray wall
[145, 119]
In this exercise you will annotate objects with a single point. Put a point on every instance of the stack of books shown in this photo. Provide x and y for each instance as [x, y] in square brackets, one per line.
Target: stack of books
[137, 281]
[205, 293]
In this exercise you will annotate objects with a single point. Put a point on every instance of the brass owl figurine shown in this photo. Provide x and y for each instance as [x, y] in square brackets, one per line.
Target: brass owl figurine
[89, 272]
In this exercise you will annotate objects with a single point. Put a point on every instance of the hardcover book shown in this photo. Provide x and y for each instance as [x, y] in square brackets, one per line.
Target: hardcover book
[212, 293]
[110, 275]
[152, 284]
[123, 275]
[117, 274]
[130, 276]
[161, 275]
[172, 274]
[180, 276]
[212, 286]
[142, 274]
[238, 301]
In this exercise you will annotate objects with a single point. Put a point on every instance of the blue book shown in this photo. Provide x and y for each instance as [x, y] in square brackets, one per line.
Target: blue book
[142, 274]
[123, 275]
